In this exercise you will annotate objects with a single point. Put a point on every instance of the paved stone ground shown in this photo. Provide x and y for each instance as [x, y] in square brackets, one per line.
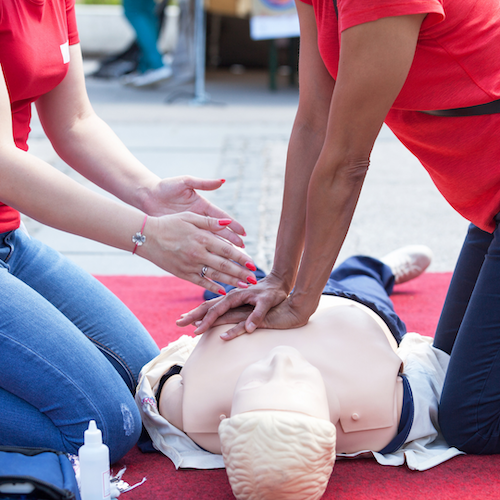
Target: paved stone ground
[241, 135]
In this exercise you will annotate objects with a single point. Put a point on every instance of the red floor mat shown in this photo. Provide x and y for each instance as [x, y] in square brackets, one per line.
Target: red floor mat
[157, 302]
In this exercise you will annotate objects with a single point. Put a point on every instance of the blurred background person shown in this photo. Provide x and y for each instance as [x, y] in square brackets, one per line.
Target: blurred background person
[152, 69]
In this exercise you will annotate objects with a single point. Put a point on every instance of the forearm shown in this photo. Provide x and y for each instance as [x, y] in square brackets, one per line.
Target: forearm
[330, 206]
[92, 148]
[181, 244]
[305, 145]
[306, 142]
[45, 194]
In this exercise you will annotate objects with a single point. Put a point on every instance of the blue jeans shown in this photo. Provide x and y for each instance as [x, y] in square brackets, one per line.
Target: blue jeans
[469, 330]
[70, 352]
[370, 282]
[141, 15]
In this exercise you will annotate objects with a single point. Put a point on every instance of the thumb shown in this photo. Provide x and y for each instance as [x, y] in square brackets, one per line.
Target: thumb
[255, 319]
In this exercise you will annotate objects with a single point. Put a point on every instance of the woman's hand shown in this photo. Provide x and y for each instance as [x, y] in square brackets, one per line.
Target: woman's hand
[178, 194]
[185, 244]
[281, 317]
[263, 296]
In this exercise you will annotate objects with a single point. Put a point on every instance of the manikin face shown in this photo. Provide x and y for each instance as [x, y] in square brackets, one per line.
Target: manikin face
[283, 380]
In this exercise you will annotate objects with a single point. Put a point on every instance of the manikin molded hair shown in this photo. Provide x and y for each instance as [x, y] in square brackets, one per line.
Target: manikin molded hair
[273, 455]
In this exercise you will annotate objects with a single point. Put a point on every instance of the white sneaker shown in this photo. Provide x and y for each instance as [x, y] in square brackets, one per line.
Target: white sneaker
[128, 78]
[149, 77]
[408, 262]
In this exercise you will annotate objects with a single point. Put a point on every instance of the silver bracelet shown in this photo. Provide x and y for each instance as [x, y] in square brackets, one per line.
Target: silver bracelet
[139, 239]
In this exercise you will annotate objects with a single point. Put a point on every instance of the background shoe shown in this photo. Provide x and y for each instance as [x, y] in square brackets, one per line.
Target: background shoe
[148, 78]
[129, 77]
[408, 262]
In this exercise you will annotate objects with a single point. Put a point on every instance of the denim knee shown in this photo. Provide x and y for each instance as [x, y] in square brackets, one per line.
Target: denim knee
[467, 435]
[121, 425]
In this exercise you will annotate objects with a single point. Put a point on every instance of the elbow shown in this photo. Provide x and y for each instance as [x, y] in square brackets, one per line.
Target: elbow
[350, 172]
[343, 179]
[355, 170]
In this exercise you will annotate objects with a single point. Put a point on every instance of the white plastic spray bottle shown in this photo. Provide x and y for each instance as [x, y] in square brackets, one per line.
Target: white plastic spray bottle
[94, 465]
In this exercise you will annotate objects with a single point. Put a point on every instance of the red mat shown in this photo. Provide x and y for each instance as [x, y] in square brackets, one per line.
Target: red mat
[157, 302]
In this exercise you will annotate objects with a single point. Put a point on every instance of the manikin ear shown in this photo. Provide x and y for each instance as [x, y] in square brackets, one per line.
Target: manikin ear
[170, 403]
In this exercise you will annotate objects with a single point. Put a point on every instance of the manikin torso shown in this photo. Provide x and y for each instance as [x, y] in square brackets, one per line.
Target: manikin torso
[350, 345]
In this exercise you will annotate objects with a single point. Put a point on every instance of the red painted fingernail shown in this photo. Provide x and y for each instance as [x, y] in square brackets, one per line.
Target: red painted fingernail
[223, 180]
[251, 266]
[252, 280]
[225, 222]
[222, 291]
[242, 285]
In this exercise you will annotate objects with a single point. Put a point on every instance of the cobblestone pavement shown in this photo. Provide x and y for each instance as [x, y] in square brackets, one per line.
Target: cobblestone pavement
[245, 141]
[253, 169]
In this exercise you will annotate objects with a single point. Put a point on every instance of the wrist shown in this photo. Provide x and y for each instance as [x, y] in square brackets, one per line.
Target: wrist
[285, 276]
[304, 303]
[286, 262]
[145, 195]
[284, 281]
[139, 238]
[146, 249]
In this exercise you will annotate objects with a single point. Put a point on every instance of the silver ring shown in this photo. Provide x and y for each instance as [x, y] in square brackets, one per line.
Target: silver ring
[204, 271]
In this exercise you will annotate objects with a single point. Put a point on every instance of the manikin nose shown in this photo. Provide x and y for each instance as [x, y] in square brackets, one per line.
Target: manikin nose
[282, 360]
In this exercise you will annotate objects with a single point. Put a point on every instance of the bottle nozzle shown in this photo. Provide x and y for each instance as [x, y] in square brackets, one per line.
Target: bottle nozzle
[92, 436]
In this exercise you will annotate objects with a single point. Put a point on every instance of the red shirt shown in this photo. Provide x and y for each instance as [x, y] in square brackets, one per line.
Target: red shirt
[456, 64]
[34, 53]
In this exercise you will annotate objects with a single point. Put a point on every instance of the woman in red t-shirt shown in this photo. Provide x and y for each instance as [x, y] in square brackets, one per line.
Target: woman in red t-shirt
[429, 69]
[69, 350]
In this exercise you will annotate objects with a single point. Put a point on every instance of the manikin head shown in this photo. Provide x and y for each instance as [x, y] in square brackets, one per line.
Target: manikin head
[279, 442]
